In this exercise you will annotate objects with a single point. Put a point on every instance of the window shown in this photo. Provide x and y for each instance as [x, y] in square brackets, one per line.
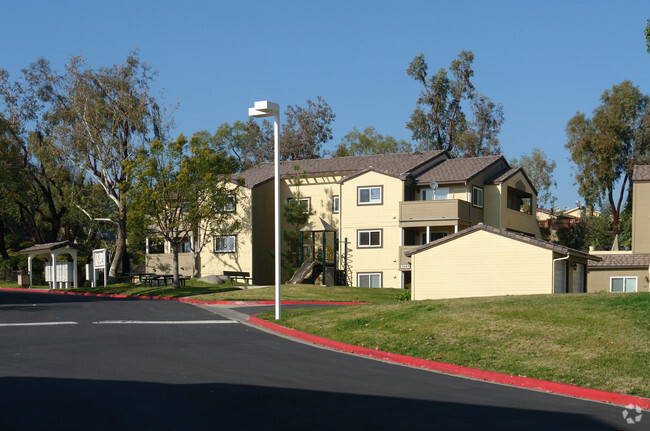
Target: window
[230, 203]
[622, 284]
[441, 193]
[185, 246]
[369, 195]
[225, 244]
[369, 238]
[335, 204]
[306, 202]
[369, 279]
[426, 194]
[477, 197]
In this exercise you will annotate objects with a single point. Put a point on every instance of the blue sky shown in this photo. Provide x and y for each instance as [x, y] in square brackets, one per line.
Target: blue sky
[543, 61]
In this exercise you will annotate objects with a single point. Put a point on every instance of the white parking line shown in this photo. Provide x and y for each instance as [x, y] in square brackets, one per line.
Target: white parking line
[162, 322]
[39, 324]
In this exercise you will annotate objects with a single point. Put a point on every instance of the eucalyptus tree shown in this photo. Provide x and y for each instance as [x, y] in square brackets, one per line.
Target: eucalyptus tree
[439, 121]
[606, 146]
[100, 118]
[356, 143]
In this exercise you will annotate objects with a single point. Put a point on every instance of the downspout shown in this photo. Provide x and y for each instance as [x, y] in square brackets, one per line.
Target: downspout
[554, 261]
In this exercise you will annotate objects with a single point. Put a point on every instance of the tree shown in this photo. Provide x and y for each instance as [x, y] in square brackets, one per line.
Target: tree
[182, 187]
[439, 122]
[480, 138]
[356, 143]
[101, 118]
[647, 35]
[606, 147]
[539, 169]
[42, 180]
[305, 129]
[249, 142]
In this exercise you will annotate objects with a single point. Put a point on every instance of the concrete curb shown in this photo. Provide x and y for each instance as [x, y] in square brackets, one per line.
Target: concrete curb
[522, 382]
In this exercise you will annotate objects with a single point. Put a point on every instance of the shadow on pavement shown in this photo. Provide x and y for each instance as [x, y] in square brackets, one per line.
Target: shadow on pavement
[68, 404]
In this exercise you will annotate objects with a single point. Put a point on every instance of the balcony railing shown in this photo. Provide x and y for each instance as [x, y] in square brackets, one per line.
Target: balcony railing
[420, 211]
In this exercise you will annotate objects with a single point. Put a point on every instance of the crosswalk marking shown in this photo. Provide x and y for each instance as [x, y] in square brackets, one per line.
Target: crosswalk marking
[39, 324]
[162, 322]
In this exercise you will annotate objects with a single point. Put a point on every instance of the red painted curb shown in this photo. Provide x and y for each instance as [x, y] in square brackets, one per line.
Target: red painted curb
[523, 382]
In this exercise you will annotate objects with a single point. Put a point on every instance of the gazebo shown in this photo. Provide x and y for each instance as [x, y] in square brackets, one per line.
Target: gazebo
[57, 274]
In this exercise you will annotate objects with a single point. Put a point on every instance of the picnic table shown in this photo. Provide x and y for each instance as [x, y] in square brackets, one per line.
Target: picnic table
[149, 279]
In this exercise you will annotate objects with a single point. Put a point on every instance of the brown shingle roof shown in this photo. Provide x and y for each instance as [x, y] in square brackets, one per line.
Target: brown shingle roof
[509, 234]
[457, 170]
[641, 173]
[395, 164]
[621, 261]
[44, 247]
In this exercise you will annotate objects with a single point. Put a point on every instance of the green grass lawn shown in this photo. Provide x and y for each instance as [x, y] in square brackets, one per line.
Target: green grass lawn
[599, 341]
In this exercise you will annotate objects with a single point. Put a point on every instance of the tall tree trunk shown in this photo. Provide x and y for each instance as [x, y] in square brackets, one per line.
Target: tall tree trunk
[3, 245]
[120, 242]
[176, 278]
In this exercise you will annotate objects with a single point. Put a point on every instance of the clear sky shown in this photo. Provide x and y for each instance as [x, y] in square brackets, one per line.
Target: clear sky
[542, 60]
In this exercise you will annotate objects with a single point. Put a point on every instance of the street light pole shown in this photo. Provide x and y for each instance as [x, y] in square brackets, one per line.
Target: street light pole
[265, 108]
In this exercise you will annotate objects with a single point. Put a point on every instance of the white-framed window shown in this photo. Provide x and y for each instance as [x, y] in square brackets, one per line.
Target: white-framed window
[477, 197]
[185, 246]
[230, 204]
[369, 238]
[369, 279]
[335, 204]
[622, 284]
[441, 194]
[369, 195]
[225, 244]
[305, 201]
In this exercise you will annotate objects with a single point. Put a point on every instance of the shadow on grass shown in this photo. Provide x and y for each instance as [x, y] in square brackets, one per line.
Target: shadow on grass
[69, 404]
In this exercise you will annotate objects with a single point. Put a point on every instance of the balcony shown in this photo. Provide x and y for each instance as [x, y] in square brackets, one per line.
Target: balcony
[419, 213]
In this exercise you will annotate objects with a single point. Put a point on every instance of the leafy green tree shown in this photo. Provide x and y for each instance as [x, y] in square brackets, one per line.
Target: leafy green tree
[42, 182]
[356, 143]
[606, 147]
[439, 121]
[539, 169]
[181, 186]
[249, 142]
[647, 35]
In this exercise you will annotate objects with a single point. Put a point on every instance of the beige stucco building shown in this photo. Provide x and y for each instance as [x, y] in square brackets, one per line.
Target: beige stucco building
[381, 206]
[488, 261]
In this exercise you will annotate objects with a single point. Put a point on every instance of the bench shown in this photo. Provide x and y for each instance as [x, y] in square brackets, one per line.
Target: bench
[233, 275]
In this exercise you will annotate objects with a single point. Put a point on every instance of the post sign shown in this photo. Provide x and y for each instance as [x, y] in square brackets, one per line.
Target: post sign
[100, 257]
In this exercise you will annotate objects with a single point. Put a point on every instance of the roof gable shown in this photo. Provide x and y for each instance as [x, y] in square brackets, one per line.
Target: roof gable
[458, 170]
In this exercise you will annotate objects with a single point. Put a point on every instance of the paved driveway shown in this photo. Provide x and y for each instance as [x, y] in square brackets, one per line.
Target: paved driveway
[106, 364]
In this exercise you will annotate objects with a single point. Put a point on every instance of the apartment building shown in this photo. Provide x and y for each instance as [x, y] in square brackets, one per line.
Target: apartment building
[628, 271]
[380, 207]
